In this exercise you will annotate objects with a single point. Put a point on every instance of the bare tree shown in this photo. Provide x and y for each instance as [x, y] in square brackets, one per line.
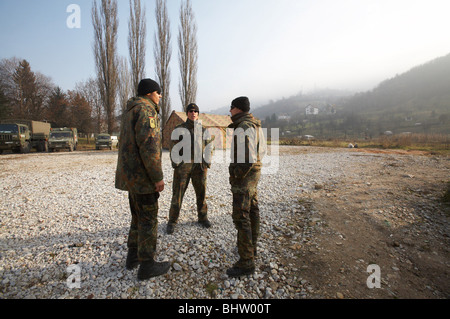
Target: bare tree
[89, 91]
[126, 87]
[136, 42]
[105, 22]
[163, 54]
[187, 54]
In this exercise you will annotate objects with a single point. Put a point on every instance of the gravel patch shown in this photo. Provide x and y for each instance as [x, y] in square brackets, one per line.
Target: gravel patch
[63, 225]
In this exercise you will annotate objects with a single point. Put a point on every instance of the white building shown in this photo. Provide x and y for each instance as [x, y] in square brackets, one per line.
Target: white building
[310, 110]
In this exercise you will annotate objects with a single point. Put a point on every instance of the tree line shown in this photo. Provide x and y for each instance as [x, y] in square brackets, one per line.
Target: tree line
[92, 105]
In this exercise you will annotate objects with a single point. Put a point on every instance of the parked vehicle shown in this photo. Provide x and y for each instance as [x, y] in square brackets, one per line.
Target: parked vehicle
[103, 141]
[63, 138]
[20, 136]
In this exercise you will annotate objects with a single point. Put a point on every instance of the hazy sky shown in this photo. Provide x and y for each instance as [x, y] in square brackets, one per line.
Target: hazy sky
[260, 48]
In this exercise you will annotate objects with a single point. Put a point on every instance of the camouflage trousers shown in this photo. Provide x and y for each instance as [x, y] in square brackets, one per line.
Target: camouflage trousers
[181, 177]
[246, 216]
[144, 225]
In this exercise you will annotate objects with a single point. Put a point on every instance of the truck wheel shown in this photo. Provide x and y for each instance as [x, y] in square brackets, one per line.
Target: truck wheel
[25, 148]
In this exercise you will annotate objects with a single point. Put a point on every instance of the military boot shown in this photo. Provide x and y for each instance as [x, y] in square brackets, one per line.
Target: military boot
[132, 259]
[205, 223]
[170, 228]
[237, 271]
[149, 269]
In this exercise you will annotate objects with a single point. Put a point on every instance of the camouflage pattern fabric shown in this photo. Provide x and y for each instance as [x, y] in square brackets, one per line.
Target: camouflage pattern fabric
[138, 170]
[246, 216]
[139, 161]
[196, 170]
[244, 178]
[144, 225]
[181, 177]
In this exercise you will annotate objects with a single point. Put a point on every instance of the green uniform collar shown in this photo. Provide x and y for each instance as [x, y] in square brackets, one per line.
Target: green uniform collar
[156, 106]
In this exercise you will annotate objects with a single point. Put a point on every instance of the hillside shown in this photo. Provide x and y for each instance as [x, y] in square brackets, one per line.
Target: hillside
[295, 105]
[425, 88]
[416, 101]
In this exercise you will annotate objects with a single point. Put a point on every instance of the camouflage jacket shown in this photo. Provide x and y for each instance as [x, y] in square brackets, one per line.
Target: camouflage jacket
[139, 162]
[248, 145]
[200, 150]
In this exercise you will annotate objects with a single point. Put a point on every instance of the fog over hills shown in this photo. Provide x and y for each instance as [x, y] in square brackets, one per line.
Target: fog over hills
[423, 87]
[416, 101]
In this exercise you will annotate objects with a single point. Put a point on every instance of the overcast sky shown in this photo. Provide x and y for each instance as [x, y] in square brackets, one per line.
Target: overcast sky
[260, 48]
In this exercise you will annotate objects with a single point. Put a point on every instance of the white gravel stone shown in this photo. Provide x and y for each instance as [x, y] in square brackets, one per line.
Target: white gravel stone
[61, 209]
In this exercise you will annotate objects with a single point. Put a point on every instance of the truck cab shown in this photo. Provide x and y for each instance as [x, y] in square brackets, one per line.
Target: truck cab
[103, 141]
[61, 139]
[20, 136]
[14, 137]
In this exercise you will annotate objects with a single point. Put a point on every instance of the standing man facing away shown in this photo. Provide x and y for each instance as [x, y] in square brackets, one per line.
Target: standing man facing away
[193, 166]
[140, 173]
[247, 149]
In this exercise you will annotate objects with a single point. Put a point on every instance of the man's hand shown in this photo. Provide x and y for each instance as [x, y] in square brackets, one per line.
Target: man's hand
[159, 187]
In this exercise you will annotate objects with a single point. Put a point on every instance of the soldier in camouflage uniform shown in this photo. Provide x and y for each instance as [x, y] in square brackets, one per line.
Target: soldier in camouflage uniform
[140, 173]
[247, 149]
[190, 137]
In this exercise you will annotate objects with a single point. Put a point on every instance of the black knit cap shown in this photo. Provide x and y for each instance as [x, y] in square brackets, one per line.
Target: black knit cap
[147, 86]
[192, 106]
[241, 103]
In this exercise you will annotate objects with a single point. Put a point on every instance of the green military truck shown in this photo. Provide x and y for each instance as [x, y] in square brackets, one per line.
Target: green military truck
[63, 138]
[20, 136]
[103, 141]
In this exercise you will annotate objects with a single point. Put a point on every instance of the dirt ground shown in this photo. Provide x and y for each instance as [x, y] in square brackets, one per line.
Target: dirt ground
[392, 216]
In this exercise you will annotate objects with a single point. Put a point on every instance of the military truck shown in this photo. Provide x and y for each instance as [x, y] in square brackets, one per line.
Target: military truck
[63, 138]
[20, 136]
[103, 141]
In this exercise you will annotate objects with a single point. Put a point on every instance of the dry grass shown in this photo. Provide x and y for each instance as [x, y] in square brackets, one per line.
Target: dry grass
[433, 143]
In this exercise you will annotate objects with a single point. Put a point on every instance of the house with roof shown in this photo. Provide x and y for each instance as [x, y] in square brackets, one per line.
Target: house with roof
[217, 125]
[311, 110]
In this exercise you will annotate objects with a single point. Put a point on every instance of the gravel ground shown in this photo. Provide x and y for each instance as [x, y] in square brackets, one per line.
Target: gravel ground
[61, 218]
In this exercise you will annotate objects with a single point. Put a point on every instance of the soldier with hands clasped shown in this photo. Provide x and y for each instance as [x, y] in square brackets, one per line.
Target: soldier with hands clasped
[139, 172]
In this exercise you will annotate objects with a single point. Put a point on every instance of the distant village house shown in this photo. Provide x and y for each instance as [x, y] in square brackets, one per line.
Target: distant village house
[311, 110]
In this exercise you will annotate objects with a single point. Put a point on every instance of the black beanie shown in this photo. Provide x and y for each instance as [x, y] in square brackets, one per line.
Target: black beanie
[147, 86]
[241, 103]
[192, 106]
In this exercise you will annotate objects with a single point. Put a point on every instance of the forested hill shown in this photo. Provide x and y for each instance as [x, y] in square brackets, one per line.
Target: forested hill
[417, 101]
[425, 88]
